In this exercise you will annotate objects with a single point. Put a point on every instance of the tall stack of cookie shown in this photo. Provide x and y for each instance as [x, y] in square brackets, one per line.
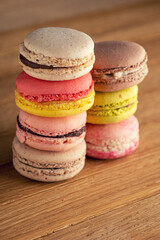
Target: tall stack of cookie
[112, 130]
[53, 93]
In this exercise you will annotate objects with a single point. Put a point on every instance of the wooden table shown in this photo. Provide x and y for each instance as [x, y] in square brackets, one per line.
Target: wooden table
[108, 200]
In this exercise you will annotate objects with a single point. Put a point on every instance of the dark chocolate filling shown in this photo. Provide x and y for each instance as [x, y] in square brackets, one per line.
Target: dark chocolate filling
[70, 134]
[30, 64]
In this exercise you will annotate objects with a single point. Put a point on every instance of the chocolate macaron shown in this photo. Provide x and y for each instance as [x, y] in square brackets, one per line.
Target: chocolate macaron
[54, 53]
[118, 65]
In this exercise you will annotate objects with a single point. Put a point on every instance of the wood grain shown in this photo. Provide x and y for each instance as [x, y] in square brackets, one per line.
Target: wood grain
[55, 206]
[138, 221]
[113, 200]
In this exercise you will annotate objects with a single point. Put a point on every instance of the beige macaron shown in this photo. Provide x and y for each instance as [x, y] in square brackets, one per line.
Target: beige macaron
[55, 53]
[47, 166]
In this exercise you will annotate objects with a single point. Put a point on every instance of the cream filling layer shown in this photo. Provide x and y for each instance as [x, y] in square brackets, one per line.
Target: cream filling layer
[121, 74]
[20, 166]
[117, 75]
[48, 165]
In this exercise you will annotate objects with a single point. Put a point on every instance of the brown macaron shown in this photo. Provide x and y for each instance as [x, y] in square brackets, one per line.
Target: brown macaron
[118, 65]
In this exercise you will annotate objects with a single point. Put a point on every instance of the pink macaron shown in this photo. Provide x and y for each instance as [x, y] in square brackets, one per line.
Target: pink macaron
[51, 134]
[109, 141]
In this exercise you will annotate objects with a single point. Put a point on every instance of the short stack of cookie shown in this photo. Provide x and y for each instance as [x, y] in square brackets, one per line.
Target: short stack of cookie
[112, 130]
[53, 93]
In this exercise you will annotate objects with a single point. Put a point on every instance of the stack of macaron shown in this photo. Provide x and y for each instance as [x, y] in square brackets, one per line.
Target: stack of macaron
[53, 92]
[112, 130]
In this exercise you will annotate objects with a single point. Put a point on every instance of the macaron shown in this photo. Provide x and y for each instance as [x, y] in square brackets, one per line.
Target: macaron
[118, 65]
[48, 166]
[109, 141]
[112, 107]
[55, 53]
[51, 134]
[52, 98]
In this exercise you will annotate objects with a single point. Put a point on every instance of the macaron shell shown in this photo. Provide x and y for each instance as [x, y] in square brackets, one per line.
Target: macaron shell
[28, 85]
[118, 54]
[55, 108]
[59, 43]
[99, 133]
[115, 97]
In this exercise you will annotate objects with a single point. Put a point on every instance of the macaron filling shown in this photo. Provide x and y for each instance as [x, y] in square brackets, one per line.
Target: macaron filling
[30, 64]
[75, 133]
[36, 65]
[105, 73]
[58, 165]
[117, 75]
[112, 112]
[113, 109]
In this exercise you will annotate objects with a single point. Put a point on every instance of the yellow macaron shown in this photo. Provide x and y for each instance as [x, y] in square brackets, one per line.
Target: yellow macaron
[112, 107]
